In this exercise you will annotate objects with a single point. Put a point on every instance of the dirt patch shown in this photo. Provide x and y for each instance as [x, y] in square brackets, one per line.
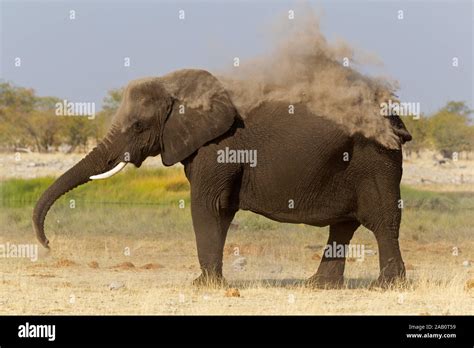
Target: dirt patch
[232, 292]
[439, 248]
[62, 263]
[124, 266]
[93, 264]
[151, 266]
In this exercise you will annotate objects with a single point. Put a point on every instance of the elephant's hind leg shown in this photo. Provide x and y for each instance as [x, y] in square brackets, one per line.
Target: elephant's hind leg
[210, 228]
[381, 214]
[331, 269]
[392, 268]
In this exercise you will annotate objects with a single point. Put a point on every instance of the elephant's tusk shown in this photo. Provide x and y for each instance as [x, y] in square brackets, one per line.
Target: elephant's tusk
[111, 172]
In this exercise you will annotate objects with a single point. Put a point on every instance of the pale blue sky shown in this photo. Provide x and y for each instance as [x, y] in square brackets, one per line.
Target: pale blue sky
[81, 60]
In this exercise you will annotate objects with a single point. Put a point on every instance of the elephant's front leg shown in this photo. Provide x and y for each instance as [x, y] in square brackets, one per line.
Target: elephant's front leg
[331, 269]
[210, 228]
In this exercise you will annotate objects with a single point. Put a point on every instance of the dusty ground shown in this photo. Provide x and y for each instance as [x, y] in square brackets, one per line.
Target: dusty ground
[116, 267]
[141, 260]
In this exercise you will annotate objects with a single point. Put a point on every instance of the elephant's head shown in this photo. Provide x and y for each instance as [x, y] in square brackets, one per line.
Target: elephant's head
[172, 115]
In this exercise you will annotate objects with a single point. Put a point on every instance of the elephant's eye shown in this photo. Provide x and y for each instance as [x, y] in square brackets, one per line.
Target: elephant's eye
[138, 126]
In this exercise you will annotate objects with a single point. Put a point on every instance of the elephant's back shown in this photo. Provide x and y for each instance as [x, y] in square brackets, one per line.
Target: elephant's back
[293, 123]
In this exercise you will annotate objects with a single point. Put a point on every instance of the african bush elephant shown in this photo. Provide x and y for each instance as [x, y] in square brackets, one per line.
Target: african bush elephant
[308, 169]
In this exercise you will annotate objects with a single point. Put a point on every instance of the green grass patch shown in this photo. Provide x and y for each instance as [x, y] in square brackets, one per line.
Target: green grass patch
[441, 201]
[152, 186]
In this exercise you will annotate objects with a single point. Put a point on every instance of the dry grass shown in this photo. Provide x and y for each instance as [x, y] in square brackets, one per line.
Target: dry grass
[89, 258]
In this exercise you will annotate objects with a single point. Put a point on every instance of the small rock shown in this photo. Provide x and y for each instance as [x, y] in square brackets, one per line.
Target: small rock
[232, 292]
[466, 263]
[316, 257]
[116, 285]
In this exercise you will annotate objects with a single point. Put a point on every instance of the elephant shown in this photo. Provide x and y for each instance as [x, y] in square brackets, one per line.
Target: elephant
[330, 177]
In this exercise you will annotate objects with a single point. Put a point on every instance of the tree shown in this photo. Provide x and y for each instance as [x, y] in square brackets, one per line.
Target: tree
[459, 108]
[113, 99]
[43, 128]
[418, 128]
[450, 129]
[16, 104]
[12, 97]
[27, 120]
[109, 108]
[76, 131]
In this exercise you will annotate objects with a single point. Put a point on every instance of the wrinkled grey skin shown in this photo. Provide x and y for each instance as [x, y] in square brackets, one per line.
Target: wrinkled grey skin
[300, 158]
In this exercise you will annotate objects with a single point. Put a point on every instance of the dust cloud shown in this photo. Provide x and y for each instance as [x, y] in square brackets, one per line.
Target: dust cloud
[304, 67]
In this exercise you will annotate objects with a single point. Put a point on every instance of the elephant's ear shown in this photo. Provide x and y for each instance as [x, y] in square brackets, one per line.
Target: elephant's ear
[201, 112]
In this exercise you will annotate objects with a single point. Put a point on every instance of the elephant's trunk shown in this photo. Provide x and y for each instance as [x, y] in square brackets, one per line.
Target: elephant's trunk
[94, 163]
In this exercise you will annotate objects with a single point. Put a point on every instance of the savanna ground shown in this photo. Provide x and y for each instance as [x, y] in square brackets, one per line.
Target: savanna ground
[124, 246]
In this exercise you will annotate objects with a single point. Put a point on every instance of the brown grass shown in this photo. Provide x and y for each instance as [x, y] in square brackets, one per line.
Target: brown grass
[270, 283]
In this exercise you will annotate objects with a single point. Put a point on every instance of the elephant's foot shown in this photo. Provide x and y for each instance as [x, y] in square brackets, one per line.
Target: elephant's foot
[392, 275]
[210, 280]
[324, 282]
